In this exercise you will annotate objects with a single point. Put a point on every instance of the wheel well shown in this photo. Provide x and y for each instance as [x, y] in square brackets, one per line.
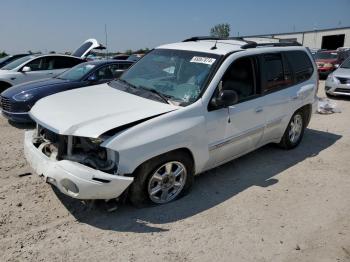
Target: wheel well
[307, 110]
[179, 150]
[4, 85]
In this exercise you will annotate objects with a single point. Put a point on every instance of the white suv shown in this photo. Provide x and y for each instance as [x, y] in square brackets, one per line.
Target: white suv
[182, 109]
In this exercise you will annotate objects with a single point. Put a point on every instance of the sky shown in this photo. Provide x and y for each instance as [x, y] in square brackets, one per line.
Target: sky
[62, 25]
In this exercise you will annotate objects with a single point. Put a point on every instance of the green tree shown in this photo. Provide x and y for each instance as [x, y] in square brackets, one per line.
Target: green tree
[128, 52]
[3, 53]
[221, 30]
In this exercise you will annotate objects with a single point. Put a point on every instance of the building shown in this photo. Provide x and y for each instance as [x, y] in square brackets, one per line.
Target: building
[329, 39]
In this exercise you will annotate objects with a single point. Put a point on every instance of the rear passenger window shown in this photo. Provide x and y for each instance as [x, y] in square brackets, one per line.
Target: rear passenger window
[66, 62]
[274, 72]
[301, 65]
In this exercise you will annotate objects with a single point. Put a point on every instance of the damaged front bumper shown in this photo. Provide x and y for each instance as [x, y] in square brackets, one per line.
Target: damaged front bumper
[74, 179]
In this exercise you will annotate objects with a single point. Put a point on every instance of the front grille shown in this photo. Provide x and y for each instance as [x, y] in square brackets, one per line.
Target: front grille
[5, 104]
[344, 80]
[342, 90]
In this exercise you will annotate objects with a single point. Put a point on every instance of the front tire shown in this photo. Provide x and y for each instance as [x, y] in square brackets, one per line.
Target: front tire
[162, 179]
[295, 131]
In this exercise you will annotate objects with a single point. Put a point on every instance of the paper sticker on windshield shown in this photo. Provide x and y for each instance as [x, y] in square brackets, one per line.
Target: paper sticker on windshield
[203, 60]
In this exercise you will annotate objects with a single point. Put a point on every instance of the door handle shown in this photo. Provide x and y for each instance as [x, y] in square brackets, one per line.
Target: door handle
[259, 109]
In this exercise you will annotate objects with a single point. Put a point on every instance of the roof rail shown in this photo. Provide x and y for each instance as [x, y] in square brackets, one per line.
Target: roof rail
[249, 44]
[198, 38]
[280, 44]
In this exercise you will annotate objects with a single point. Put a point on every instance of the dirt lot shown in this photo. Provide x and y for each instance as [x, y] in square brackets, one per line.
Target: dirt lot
[271, 205]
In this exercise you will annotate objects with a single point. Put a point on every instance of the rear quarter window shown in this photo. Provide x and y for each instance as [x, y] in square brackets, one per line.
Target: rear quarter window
[301, 65]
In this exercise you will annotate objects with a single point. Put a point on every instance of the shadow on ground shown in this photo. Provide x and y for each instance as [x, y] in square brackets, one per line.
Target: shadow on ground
[22, 125]
[210, 189]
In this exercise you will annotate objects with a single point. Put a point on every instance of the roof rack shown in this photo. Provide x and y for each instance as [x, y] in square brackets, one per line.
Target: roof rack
[280, 44]
[249, 44]
[198, 38]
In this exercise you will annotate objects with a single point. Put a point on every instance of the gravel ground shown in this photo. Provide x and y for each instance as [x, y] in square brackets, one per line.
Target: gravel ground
[271, 205]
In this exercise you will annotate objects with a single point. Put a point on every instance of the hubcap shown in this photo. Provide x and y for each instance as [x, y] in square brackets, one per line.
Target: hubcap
[295, 128]
[167, 182]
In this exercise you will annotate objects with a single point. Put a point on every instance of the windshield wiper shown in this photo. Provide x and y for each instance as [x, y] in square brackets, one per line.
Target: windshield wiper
[154, 91]
[151, 90]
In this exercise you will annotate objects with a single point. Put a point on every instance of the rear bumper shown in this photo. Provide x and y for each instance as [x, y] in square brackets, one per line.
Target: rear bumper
[74, 179]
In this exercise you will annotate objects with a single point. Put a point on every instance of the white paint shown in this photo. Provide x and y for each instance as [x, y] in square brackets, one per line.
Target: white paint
[97, 109]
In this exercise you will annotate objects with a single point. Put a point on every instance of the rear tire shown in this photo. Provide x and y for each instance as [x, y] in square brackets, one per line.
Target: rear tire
[156, 182]
[295, 131]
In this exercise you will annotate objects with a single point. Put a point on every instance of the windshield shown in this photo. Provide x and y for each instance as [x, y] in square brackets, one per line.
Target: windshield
[17, 63]
[346, 64]
[77, 72]
[176, 74]
[326, 55]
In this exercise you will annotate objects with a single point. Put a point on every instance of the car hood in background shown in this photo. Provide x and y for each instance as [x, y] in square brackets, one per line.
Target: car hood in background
[34, 86]
[94, 110]
[332, 61]
[342, 72]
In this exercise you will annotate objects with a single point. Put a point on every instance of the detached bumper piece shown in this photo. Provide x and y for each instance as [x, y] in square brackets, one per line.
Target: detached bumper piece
[72, 178]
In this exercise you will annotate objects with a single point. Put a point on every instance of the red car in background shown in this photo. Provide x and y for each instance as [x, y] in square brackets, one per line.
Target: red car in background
[327, 62]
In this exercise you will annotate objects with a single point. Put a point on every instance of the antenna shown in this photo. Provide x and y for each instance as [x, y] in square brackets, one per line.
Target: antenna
[214, 47]
[106, 41]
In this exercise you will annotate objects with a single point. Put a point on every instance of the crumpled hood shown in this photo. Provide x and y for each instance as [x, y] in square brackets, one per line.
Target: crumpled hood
[92, 111]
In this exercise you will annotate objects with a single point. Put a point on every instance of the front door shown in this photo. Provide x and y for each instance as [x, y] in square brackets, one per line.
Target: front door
[237, 129]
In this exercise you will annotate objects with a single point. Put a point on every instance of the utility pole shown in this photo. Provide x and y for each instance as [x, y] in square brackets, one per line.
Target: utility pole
[106, 41]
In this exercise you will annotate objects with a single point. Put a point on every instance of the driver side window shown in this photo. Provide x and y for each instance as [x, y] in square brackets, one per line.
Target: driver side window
[39, 64]
[241, 77]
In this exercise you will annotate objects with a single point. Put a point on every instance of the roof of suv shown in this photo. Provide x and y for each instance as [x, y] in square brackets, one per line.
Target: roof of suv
[224, 46]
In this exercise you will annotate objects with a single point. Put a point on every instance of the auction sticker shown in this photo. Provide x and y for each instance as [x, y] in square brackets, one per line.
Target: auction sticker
[203, 60]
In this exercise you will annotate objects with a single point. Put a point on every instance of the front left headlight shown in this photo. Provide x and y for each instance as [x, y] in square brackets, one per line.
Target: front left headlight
[22, 97]
[332, 79]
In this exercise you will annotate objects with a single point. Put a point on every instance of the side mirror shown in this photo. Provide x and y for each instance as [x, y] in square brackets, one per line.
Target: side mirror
[225, 98]
[92, 78]
[26, 69]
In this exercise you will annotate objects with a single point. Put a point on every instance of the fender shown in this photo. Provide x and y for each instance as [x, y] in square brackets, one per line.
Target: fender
[183, 128]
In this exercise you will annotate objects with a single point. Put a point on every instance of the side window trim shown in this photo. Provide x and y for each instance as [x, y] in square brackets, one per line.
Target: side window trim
[255, 62]
[285, 62]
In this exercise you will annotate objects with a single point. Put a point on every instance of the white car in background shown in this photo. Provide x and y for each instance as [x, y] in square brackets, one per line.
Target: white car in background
[182, 109]
[338, 82]
[34, 67]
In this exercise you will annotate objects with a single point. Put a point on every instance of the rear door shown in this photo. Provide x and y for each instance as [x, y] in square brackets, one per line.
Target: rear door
[59, 64]
[283, 89]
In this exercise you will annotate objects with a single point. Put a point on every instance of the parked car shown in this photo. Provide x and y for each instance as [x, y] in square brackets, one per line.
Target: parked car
[8, 59]
[338, 82]
[121, 57]
[181, 110]
[34, 67]
[135, 57]
[343, 54]
[327, 62]
[16, 101]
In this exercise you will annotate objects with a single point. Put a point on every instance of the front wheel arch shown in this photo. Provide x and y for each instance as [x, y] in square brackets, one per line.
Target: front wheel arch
[4, 85]
[137, 194]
